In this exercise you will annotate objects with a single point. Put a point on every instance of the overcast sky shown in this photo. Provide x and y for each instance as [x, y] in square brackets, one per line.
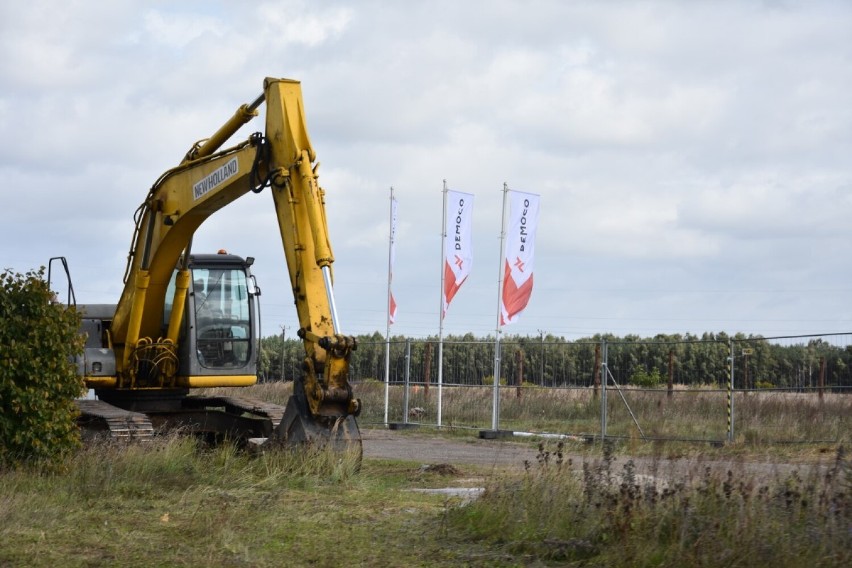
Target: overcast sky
[694, 159]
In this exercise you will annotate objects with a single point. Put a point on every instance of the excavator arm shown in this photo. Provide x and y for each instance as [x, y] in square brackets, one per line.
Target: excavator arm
[206, 181]
[300, 208]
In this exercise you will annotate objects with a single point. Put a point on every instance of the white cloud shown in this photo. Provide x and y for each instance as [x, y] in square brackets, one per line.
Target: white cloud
[175, 30]
[678, 147]
[297, 25]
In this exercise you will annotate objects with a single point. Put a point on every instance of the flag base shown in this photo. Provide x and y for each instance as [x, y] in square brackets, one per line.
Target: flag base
[402, 425]
[495, 434]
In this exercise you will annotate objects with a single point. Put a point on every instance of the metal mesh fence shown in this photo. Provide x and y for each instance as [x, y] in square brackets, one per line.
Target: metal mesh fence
[712, 388]
[794, 363]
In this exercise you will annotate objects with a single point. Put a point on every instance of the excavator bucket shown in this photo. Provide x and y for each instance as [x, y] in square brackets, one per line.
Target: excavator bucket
[298, 427]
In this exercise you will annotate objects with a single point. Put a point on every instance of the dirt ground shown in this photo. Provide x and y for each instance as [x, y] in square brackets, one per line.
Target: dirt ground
[426, 448]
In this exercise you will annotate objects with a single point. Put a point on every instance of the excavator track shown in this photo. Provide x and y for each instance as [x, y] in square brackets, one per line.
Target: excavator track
[238, 405]
[99, 418]
[297, 428]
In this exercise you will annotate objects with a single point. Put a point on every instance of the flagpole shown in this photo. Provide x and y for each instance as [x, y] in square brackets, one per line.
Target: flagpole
[495, 404]
[441, 310]
[387, 320]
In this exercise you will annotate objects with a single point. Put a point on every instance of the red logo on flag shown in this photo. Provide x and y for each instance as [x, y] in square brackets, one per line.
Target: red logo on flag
[450, 285]
[515, 298]
[392, 311]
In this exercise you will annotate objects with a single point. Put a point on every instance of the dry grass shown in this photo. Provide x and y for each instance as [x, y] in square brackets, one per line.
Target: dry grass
[691, 414]
[704, 517]
[760, 417]
[274, 392]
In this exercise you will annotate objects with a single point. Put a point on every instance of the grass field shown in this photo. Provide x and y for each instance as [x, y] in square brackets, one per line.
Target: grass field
[175, 503]
[171, 503]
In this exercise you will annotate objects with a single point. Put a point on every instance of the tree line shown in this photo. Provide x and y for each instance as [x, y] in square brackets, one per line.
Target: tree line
[547, 360]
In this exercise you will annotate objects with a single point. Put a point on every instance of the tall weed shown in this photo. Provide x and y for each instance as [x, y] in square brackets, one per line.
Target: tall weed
[704, 517]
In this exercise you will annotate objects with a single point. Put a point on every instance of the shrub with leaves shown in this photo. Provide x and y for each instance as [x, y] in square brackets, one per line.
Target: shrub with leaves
[38, 381]
[643, 378]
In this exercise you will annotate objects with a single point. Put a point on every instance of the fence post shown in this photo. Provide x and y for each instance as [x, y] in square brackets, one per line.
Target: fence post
[731, 392]
[427, 372]
[671, 373]
[603, 379]
[821, 383]
[495, 402]
[407, 386]
[519, 377]
[596, 372]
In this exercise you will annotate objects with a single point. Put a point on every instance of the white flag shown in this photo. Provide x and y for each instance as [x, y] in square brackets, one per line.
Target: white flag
[392, 256]
[458, 244]
[520, 255]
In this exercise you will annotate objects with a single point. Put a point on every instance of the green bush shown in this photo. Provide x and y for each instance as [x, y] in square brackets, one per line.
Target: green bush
[643, 378]
[38, 381]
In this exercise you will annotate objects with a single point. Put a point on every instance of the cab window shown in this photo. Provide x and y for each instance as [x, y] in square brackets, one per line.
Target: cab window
[221, 304]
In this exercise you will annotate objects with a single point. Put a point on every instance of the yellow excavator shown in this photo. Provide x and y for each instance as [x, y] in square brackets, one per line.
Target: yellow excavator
[186, 321]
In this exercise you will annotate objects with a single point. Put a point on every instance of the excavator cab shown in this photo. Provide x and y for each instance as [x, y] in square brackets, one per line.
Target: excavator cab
[221, 330]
